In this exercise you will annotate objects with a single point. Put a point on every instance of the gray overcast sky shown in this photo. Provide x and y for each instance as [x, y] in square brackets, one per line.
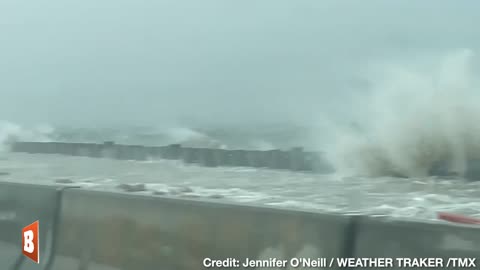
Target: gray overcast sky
[90, 62]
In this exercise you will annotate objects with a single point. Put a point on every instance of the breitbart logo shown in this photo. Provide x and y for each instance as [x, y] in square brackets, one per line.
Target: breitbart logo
[31, 241]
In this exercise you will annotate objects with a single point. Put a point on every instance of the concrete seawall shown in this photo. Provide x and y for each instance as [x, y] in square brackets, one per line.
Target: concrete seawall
[295, 159]
[98, 230]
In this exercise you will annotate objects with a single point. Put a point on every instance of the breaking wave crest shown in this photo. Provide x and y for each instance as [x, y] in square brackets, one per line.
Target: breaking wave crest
[417, 114]
[11, 132]
[192, 138]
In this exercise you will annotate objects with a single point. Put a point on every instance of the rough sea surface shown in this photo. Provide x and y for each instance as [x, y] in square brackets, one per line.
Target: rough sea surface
[397, 197]
[413, 197]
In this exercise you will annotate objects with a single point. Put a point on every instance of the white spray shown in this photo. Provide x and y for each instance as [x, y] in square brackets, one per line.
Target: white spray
[416, 114]
[10, 132]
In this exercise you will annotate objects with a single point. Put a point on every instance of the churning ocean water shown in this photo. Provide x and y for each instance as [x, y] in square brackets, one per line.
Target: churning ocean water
[414, 197]
[413, 117]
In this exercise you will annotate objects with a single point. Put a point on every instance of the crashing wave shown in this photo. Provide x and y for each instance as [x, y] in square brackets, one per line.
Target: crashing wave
[418, 120]
[11, 132]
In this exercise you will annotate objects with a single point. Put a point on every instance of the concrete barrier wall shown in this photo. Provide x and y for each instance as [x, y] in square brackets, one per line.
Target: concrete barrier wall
[21, 205]
[295, 159]
[382, 237]
[118, 231]
[95, 230]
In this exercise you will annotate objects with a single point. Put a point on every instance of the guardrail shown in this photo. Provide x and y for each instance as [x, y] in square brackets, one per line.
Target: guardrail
[98, 230]
[295, 159]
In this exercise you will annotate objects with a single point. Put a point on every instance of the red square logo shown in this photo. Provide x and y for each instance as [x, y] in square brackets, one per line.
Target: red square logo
[30, 242]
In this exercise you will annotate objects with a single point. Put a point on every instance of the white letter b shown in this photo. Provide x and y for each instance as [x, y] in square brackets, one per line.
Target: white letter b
[28, 246]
